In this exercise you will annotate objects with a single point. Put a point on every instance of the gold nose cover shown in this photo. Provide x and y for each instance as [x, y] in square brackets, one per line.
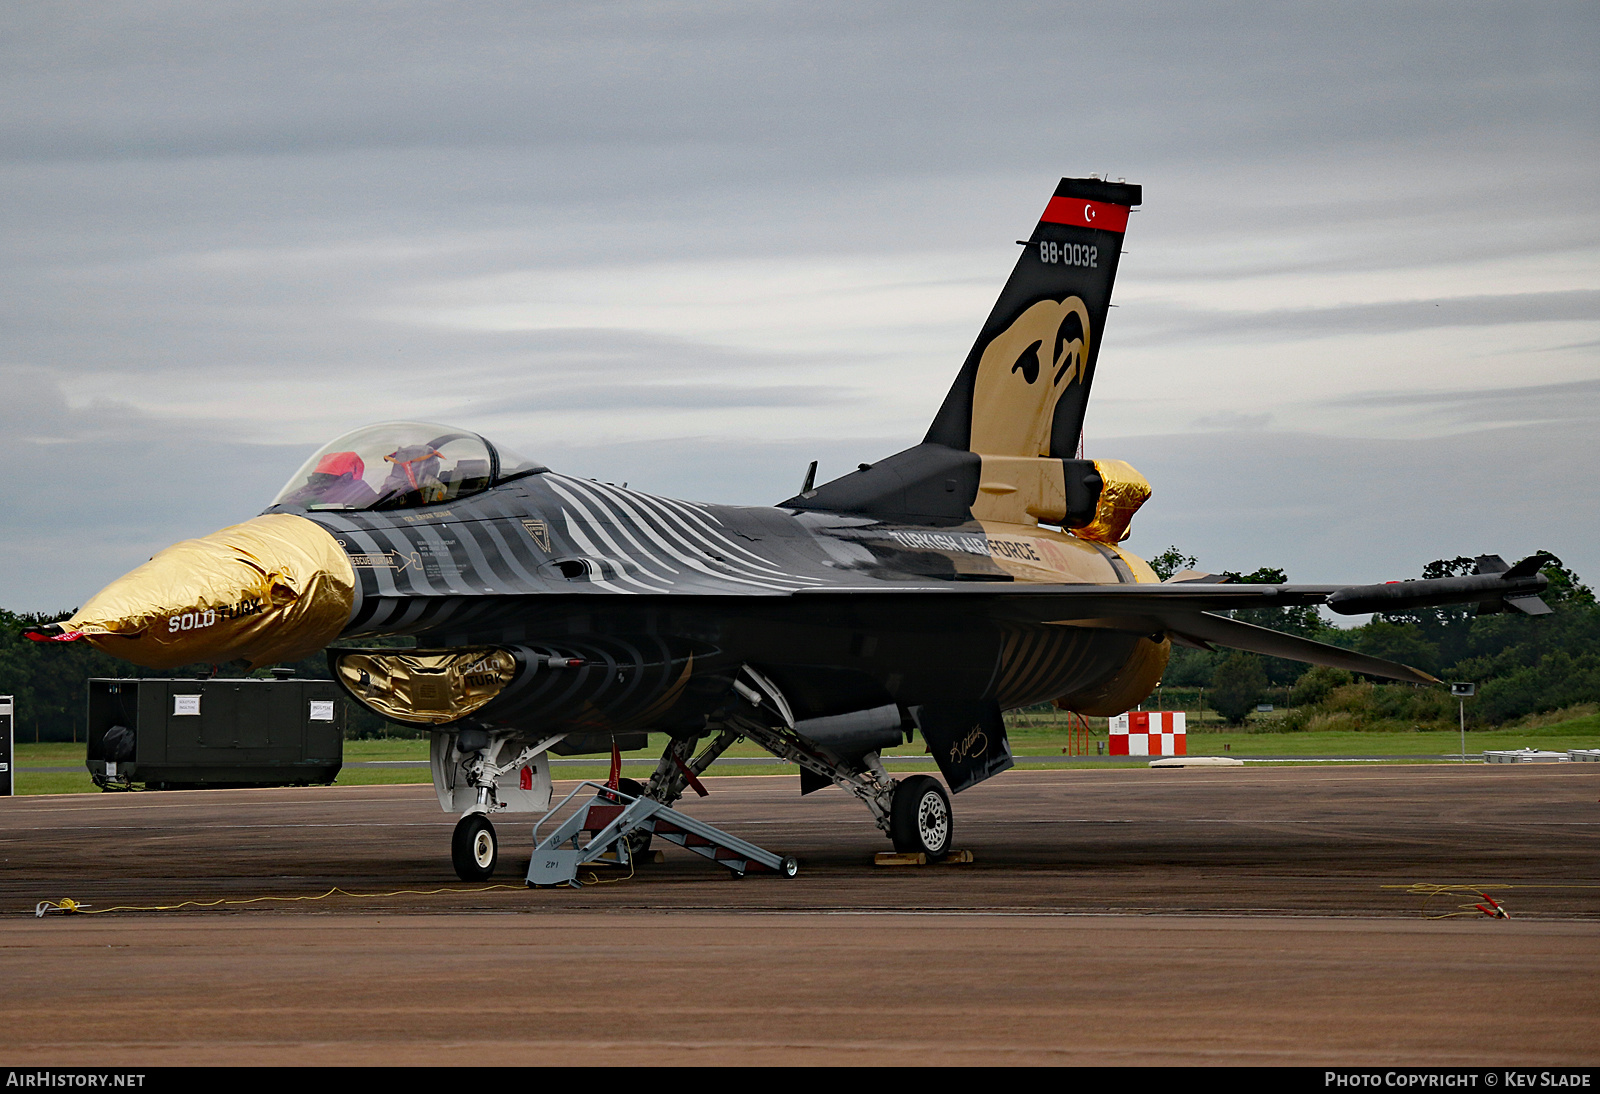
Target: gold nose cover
[275, 588]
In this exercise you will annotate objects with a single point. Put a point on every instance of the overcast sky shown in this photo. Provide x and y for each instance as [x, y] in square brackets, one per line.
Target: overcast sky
[695, 245]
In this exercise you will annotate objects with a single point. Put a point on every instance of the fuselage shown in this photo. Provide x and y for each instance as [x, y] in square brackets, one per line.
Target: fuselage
[656, 593]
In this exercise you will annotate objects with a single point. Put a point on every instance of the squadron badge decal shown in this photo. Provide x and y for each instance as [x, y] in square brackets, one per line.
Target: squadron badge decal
[540, 531]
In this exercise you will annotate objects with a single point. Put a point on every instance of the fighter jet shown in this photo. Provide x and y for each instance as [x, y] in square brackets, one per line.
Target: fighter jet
[977, 571]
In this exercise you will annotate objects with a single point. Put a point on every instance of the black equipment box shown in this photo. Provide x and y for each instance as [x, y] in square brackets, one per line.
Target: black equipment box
[174, 733]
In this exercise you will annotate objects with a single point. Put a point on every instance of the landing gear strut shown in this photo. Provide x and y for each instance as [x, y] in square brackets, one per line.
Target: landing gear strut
[680, 768]
[638, 842]
[474, 849]
[769, 722]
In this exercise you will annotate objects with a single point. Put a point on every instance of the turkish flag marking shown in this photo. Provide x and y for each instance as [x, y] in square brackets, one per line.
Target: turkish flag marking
[1086, 214]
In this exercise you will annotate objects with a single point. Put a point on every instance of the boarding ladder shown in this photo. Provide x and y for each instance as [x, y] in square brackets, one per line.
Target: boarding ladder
[612, 816]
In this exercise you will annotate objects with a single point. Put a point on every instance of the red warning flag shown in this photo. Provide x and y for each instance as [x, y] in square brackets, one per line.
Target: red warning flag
[41, 636]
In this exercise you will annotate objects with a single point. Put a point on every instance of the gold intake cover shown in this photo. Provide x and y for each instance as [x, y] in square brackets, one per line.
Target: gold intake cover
[426, 687]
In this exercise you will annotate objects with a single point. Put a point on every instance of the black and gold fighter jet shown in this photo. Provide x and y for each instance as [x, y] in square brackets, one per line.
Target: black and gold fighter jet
[974, 572]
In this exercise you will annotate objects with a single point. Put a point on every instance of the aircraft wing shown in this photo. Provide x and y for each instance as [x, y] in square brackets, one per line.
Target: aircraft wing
[1184, 610]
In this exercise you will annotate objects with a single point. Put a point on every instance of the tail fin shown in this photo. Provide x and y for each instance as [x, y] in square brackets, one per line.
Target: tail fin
[1025, 385]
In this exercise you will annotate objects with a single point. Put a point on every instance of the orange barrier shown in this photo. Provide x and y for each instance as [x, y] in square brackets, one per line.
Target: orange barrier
[1080, 738]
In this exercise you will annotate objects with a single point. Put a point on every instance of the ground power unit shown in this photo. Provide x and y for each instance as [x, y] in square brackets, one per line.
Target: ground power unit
[175, 734]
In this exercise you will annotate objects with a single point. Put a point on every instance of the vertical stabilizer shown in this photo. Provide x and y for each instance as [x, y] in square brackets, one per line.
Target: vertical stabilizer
[1025, 385]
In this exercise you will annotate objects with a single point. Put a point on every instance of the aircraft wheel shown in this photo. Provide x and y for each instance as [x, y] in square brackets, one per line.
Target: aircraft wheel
[474, 849]
[920, 819]
[638, 842]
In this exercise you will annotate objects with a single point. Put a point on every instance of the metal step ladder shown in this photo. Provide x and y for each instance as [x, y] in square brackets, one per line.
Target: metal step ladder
[612, 816]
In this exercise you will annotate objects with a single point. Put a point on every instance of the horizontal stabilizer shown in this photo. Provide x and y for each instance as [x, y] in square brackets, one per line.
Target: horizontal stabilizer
[1489, 564]
[1531, 565]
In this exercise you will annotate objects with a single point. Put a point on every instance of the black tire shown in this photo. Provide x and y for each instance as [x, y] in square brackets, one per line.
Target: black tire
[474, 849]
[789, 867]
[920, 818]
[638, 842]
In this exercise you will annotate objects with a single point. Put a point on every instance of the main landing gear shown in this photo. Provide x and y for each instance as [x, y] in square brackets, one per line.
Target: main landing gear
[914, 812]
[920, 820]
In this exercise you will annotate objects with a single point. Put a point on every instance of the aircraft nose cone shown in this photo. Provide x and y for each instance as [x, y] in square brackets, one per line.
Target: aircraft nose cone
[275, 588]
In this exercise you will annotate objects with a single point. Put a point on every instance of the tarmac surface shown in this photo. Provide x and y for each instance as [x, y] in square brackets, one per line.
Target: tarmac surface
[1193, 916]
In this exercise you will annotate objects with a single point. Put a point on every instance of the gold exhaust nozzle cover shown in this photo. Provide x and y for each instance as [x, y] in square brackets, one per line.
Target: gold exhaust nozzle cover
[1123, 491]
[275, 588]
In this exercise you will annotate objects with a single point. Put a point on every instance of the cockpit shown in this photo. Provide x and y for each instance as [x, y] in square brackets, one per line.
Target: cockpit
[400, 465]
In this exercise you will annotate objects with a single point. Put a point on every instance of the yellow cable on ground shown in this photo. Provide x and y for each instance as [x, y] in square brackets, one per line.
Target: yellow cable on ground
[596, 879]
[69, 906]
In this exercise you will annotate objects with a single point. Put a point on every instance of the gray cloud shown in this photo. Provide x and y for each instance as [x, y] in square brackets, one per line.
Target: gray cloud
[220, 200]
[909, 82]
[663, 397]
[94, 491]
[1234, 421]
[1575, 401]
[1149, 323]
[1341, 509]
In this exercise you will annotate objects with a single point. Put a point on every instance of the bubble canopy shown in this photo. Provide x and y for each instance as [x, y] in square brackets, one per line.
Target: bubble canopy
[400, 465]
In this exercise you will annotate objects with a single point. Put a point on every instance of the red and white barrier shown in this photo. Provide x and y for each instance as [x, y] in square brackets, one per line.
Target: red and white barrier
[1149, 733]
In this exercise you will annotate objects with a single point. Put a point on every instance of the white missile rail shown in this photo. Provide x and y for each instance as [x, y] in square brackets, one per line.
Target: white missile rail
[612, 816]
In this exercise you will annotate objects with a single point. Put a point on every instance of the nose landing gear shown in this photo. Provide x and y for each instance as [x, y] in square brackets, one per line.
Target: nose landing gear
[474, 849]
[477, 773]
